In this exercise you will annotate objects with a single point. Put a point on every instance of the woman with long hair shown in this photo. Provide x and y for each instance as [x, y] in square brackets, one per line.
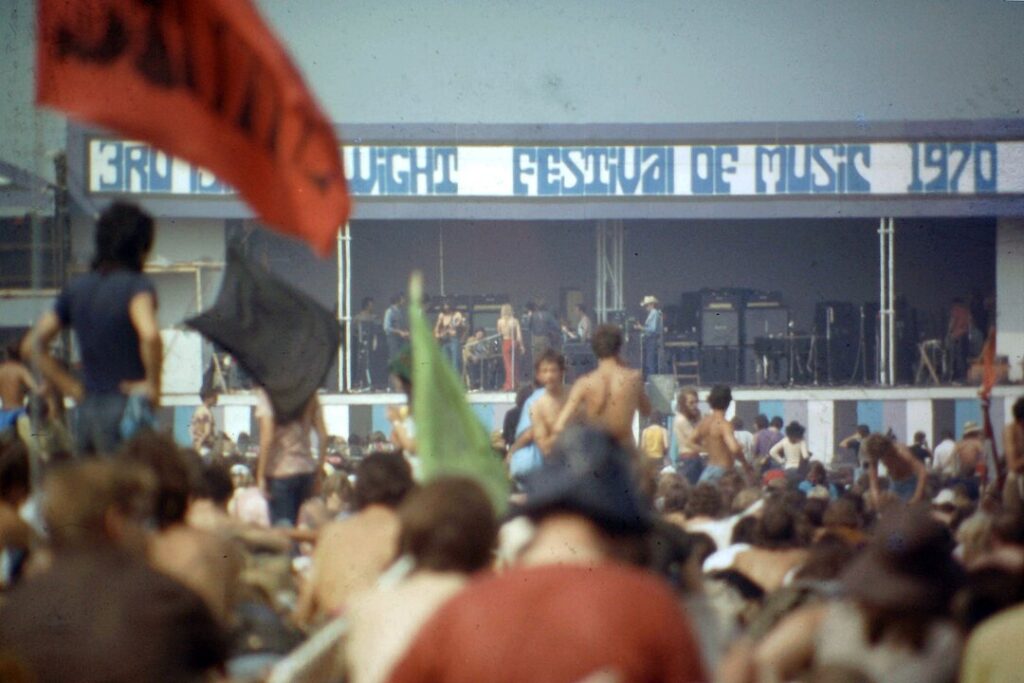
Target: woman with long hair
[511, 340]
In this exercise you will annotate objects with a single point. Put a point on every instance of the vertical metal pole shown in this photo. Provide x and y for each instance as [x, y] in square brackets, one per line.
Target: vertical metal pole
[199, 290]
[344, 310]
[882, 318]
[348, 306]
[892, 302]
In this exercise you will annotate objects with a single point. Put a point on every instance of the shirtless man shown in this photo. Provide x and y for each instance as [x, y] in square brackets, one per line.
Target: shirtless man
[907, 473]
[449, 331]
[546, 410]
[1013, 443]
[970, 450]
[684, 425]
[715, 434]
[611, 394]
[15, 382]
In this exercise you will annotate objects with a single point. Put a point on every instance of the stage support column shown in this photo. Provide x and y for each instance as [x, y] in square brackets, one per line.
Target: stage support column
[345, 307]
[887, 302]
[1010, 294]
[610, 244]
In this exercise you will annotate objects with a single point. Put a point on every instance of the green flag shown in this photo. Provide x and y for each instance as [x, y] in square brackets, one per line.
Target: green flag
[449, 436]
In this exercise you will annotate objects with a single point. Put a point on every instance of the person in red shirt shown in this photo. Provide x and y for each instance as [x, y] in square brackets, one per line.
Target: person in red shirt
[574, 609]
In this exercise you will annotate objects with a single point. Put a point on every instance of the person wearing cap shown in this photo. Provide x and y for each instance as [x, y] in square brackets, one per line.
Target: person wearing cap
[970, 451]
[573, 609]
[650, 334]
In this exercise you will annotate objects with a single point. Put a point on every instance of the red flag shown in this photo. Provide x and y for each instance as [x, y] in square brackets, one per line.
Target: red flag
[205, 80]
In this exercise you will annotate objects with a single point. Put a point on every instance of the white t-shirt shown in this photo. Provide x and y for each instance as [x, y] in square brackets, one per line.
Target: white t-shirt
[944, 458]
[746, 440]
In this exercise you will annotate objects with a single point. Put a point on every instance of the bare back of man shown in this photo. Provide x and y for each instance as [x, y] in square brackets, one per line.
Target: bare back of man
[15, 382]
[970, 453]
[715, 434]
[607, 399]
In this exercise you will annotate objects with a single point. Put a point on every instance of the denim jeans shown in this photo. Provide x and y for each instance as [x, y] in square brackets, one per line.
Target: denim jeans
[452, 350]
[690, 468]
[287, 494]
[650, 359]
[98, 424]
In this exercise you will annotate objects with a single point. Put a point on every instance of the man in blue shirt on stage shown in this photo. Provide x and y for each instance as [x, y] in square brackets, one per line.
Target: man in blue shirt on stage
[650, 335]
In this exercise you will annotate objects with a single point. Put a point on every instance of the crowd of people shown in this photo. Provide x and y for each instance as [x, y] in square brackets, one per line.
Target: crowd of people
[700, 551]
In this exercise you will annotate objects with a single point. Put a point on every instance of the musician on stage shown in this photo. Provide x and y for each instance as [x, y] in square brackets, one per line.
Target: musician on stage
[651, 332]
[584, 328]
[449, 330]
[366, 326]
[511, 341]
[478, 361]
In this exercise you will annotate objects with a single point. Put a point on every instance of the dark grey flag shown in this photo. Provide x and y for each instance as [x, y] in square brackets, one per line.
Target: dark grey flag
[283, 338]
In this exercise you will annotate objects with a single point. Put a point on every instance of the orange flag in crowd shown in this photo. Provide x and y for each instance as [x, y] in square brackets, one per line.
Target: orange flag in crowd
[207, 81]
[988, 365]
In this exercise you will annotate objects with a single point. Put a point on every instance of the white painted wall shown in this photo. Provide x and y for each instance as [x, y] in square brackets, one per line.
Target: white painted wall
[820, 437]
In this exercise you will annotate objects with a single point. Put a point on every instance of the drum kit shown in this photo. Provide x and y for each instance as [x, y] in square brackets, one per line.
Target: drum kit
[482, 354]
[786, 359]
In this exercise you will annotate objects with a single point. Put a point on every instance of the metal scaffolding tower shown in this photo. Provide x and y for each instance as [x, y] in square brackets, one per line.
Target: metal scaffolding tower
[610, 248]
[886, 303]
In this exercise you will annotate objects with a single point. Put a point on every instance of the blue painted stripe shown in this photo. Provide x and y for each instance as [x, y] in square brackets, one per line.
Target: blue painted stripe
[966, 409]
[485, 413]
[379, 421]
[772, 409]
[871, 413]
[182, 421]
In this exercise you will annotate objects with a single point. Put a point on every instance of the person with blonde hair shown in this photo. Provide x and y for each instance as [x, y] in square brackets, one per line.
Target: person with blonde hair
[511, 340]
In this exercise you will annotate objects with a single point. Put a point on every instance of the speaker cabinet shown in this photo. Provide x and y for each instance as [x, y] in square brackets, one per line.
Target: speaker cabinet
[719, 328]
[720, 365]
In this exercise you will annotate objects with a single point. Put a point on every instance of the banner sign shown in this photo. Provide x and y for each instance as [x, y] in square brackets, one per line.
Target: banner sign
[545, 172]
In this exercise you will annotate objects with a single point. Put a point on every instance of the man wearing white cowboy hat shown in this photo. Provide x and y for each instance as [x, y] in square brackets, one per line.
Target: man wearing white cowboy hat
[970, 450]
[650, 335]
